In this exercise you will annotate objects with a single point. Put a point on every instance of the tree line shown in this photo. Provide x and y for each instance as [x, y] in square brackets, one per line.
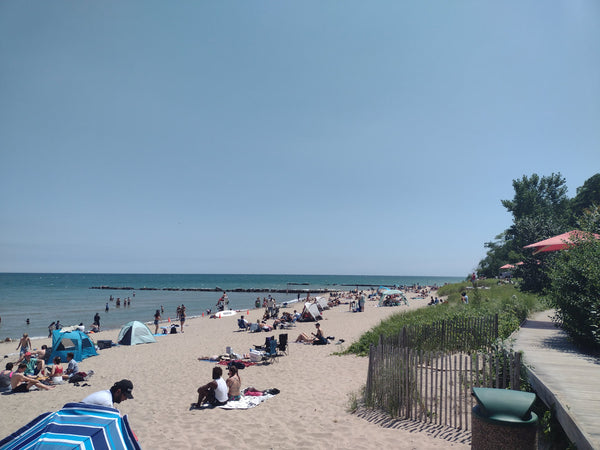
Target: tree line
[569, 280]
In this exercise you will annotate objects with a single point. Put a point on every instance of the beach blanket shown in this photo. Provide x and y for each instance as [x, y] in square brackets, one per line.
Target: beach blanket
[246, 402]
[238, 363]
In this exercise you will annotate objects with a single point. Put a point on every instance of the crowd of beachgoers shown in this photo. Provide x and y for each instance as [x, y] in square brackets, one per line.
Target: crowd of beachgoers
[314, 383]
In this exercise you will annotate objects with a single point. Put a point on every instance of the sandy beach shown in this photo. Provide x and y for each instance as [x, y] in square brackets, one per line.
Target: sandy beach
[311, 410]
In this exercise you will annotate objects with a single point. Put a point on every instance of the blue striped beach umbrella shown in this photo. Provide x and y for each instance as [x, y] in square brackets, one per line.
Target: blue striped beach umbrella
[75, 426]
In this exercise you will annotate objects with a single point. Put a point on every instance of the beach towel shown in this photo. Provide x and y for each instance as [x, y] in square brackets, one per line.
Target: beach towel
[239, 364]
[246, 402]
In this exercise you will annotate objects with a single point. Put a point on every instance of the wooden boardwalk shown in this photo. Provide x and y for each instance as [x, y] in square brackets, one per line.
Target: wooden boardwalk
[563, 376]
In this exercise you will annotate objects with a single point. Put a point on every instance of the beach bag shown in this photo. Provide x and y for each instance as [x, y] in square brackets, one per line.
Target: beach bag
[78, 377]
[239, 364]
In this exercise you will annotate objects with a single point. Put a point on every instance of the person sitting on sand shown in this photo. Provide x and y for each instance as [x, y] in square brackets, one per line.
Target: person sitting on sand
[43, 353]
[22, 383]
[5, 377]
[214, 392]
[317, 339]
[234, 384]
[57, 371]
[30, 364]
[119, 392]
[40, 369]
[72, 366]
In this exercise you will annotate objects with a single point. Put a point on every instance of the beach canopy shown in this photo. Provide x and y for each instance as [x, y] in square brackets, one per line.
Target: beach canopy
[75, 426]
[385, 292]
[322, 302]
[561, 242]
[75, 341]
[134, 333]
[313, 310]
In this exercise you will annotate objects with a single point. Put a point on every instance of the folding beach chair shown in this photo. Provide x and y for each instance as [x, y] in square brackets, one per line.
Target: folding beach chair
[271, 351]
[242, 324]
[283, 343]
[266, 345]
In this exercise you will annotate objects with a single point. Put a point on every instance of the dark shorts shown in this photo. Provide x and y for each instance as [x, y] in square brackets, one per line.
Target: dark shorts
[21, 388]
[156, 322]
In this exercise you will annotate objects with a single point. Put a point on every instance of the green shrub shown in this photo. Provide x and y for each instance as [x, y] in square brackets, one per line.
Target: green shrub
[575, 292]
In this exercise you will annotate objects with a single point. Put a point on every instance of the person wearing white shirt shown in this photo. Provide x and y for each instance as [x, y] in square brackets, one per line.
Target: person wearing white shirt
[119, 392]
[214, 392]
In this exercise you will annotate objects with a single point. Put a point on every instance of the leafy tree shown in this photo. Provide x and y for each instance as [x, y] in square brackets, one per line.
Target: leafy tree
[540, 209]
[535, 197]
[587, 196]
[496, 256]
[534, 273]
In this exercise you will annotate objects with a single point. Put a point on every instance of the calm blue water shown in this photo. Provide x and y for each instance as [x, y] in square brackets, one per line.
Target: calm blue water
[44, 298]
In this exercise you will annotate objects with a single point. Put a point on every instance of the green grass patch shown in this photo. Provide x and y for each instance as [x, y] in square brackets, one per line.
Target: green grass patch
[511, 305]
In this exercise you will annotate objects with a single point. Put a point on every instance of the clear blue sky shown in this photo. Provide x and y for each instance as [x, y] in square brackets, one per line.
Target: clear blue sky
[312, 137]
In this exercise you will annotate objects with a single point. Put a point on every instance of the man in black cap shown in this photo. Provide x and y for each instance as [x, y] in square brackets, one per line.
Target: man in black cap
[119, 392]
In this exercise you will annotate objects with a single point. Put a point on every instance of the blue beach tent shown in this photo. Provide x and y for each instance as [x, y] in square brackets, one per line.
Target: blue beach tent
[74, 341]
[75, 426]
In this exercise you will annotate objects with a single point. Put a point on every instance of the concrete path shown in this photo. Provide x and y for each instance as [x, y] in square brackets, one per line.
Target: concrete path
[563, 376]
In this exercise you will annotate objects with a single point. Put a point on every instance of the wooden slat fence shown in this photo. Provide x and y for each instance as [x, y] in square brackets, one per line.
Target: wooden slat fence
[432, 386]
[457, 335]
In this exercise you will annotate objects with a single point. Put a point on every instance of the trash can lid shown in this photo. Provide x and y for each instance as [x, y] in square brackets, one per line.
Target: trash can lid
[505, 405]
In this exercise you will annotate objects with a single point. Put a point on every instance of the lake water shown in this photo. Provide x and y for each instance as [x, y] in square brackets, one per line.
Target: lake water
[44, 298]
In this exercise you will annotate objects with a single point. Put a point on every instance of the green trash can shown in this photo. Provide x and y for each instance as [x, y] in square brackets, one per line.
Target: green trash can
[502, 419]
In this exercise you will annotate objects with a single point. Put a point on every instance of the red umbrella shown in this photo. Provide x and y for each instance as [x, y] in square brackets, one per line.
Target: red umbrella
[560, 242]
[512, 266]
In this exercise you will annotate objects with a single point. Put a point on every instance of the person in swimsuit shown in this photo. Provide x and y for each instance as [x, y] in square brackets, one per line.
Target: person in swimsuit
[25, 344]
[182, 317]
[5, 377]
[317, 338]
[57, 371]
[22, 383]
[234, 384]
[156, 319]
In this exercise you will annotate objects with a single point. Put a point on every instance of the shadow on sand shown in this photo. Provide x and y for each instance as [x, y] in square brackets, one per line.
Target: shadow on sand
[382, 419]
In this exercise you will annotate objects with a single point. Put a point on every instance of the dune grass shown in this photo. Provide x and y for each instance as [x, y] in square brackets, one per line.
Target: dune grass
[490, 298]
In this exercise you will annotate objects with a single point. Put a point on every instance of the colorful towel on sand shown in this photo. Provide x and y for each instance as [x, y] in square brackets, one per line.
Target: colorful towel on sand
[246, 402]
[245, 363]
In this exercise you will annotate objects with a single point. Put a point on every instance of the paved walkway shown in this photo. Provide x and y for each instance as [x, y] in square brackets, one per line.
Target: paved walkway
[563, 376]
